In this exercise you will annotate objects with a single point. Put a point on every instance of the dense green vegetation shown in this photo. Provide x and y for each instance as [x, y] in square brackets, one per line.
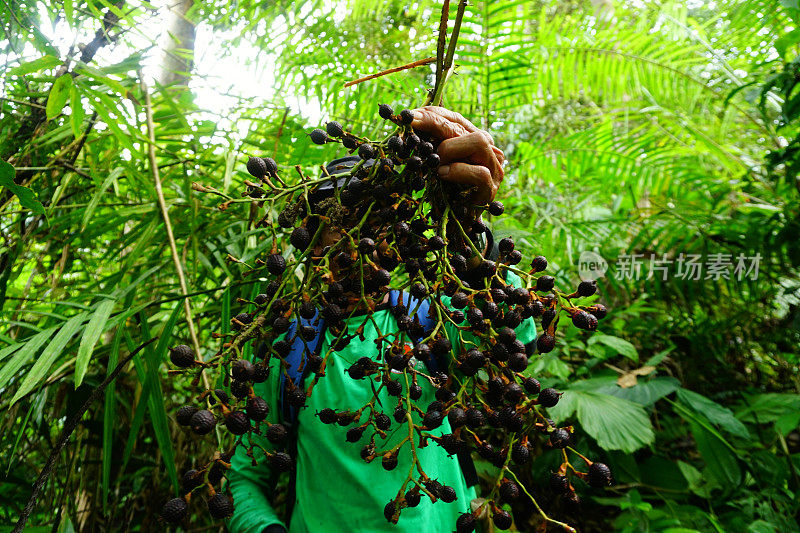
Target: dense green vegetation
[647, 130]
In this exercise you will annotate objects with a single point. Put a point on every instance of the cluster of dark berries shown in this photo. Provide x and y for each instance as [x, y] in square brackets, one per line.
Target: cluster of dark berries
[398, 227]
[239, 411]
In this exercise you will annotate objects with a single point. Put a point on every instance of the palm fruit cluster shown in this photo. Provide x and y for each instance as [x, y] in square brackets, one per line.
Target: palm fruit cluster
[400, 227]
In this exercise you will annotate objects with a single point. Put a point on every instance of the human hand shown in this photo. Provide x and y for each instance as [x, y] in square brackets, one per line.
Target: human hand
[468, 154]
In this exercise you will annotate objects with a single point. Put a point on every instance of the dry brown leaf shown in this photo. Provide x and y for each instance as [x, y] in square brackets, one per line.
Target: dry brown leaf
[629, 379]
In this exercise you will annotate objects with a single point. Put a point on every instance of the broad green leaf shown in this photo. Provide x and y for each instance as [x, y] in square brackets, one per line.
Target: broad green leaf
[36, 65]
[59, 94]
[27, 198]
[646, 392]
[595, 350]
[694, 477]
[41, 42]
[788, 422]
[716, 413]
[77, 113]
[615, 424]
[692, 416]
[768, 407]
[550, 364]
[29, 347]
[87, 215]
[93, 330]
[55, 348]
[565, 407]
[623, 347]
[720, 462]
[601, 385]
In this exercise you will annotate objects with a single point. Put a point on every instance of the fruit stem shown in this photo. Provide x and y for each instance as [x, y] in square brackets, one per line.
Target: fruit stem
[536, 504]
[444, 63]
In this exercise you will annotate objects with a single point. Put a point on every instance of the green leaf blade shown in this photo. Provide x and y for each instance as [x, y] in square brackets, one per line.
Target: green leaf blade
[717, 414]
[59, 94]
[27, 198]
[615, 424]
[90, 336]
[23, 354]
[36, 65]
[623, 347]
[51, 352]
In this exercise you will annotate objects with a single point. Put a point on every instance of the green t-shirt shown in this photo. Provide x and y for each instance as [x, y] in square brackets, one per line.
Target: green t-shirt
[335, 489]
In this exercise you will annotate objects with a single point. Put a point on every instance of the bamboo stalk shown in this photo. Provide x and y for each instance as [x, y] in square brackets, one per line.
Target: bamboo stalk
[155, 174]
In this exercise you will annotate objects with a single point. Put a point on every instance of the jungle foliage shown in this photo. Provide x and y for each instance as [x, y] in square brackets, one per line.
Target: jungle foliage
[651, 130]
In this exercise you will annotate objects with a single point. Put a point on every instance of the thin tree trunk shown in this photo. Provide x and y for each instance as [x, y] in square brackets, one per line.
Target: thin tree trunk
[177, 44]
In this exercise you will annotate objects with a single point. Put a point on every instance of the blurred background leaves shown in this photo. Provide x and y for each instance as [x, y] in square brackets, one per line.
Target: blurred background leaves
[653, 128]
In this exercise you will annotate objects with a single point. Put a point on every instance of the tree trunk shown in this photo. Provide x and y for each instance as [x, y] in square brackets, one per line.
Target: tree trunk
[177, 44]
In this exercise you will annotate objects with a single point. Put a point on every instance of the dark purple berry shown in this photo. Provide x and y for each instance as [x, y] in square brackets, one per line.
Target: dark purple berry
[539, 263]
[334, 129]
[599, 475]
[545, 343]
[256, 167]
[174, 510]
[237, 423]
[181, 356]
[366, 151]
[545, 283]
[509, 491]
[587, 288]
[385, 111]
[276, 264]
[559, 484]
[406, 117]
[501, 519]
[496, 208]
[202, 422]
[433, 419]
[257, 408]
[549, 397]
[300, 238]
[242, 370]
[318, 136]
[465, 523]
[277, 433]
[559, 438]
[584, 320]
[184, 414]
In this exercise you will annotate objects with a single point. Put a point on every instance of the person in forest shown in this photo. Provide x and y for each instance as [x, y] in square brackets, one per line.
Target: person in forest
[334, 490]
